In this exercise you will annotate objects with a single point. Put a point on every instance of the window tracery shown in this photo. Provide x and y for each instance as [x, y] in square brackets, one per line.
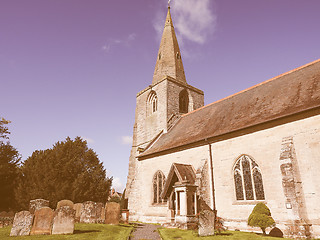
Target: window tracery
[248, 179]
[152, 103]
[158, 183]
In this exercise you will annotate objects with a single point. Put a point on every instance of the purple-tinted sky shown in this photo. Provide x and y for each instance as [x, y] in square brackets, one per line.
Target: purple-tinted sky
[73, 67]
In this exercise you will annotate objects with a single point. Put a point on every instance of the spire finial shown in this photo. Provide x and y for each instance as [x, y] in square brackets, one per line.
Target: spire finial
[169, 3]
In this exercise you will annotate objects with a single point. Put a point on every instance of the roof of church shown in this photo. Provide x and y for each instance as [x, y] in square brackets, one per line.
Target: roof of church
[169, 61]
[284, 95]
[179, 173]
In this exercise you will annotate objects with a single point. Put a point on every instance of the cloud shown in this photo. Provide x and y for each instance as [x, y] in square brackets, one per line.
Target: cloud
[113, 42]
[117, 184]
[89, 140]
[194, 20]
[126, 140]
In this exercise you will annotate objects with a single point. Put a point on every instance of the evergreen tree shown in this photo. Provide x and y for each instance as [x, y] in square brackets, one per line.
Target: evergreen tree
[70, 170]
[9, 169]
[261, 217]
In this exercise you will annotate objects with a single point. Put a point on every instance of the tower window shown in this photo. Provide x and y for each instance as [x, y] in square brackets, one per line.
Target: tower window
[152, 103]
[183, 101]
[248, 179]
[159, 56]
[158, 183]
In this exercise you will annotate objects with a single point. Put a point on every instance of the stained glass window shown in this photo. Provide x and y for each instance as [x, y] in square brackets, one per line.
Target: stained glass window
[248, 179]
[158, 183]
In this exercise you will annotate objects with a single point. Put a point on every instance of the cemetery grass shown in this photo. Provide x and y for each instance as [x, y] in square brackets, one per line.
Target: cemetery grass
[175, 234]
[82, 232]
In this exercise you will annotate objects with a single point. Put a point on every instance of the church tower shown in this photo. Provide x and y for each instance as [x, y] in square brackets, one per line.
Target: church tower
[161, 104]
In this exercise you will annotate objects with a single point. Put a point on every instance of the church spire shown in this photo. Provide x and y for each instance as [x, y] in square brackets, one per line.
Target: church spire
[169, 62]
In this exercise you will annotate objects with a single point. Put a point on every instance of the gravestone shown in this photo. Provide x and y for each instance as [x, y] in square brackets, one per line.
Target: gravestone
[63, 221]
[276, 232]
[88, 213]
[22, 224]
[100, 212]
[37, 204]
[112, 215]
[42, 223]
[77, 207]
[65, 203]
[103, 214]
[206, 223]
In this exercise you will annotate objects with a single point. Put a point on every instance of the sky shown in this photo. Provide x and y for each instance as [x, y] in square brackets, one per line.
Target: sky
[74, 67]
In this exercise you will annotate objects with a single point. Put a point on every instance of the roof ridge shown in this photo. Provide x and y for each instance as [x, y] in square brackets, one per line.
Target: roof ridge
[254, 86]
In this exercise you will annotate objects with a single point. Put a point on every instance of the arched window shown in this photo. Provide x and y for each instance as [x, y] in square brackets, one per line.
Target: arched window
[158, 183]
[183, 101]
[248, 179]
[152, 103]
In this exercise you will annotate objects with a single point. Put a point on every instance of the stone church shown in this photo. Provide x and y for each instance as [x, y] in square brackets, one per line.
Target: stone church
[259, 145]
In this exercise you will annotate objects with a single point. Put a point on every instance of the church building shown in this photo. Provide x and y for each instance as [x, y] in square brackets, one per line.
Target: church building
[259, 145]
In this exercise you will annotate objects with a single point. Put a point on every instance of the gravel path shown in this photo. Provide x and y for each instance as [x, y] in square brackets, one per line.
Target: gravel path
[146, 232]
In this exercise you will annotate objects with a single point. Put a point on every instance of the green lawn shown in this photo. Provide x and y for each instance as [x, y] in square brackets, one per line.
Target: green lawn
[82, 232]
[176, 234]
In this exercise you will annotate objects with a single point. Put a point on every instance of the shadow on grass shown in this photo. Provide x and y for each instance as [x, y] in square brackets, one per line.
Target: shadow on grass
[223, 234]
[125, 225]
[84, 231]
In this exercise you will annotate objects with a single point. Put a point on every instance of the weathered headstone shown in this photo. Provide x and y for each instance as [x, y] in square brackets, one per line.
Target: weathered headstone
[65, 203]
[42, 223]
[112, 215]
[63, 221]
[100, 212]
[103, 214]
[125, 215]
[206, 223]
[88, 212]
[22, 224]
[77, 207]
[276, 232]
[37, 204]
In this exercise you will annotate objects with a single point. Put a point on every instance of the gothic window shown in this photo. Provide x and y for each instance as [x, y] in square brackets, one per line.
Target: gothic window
[183, 101]
[248, 179]
[152, 103]
[158, 183]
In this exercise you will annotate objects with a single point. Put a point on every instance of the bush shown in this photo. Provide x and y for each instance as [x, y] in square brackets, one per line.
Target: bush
[261, 217]
[219, 224]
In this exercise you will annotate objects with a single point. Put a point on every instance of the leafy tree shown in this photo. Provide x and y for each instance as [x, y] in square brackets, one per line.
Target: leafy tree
[9, 172]
[70, 170]
[4, 132]
[9, 169]
[261, 217]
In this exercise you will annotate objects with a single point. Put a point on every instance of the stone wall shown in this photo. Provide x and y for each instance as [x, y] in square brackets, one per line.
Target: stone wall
[147, 126]
[264, 147]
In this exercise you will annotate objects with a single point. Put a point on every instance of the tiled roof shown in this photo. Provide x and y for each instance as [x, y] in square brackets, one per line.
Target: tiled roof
[285, 95]
[180, 173]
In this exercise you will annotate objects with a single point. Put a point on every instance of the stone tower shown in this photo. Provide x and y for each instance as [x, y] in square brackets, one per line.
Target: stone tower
[161, 104]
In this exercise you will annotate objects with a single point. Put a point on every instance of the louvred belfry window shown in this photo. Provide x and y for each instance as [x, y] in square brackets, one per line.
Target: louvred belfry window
[248, 179]
[183, 101]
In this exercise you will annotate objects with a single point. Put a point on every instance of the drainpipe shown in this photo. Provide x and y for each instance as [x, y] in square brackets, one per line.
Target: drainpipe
[212, 182]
